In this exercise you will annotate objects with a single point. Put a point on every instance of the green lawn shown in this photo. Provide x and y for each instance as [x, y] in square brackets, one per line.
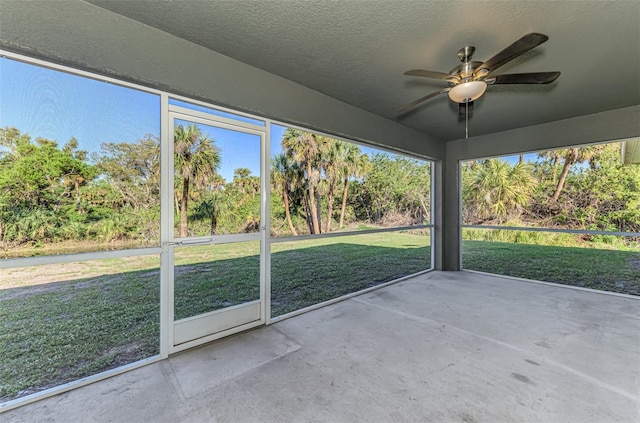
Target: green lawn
[309, 272]
[62, 331]
[209, 278]
[608, 270]
[59, 323]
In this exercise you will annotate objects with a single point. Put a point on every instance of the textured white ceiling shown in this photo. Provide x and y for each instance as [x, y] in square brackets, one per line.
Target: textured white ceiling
[356, 51]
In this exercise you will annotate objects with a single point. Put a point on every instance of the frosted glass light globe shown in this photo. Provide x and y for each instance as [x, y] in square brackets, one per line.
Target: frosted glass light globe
[468, 91]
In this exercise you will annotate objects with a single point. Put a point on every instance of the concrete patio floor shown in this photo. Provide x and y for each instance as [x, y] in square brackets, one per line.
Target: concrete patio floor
[440, 347]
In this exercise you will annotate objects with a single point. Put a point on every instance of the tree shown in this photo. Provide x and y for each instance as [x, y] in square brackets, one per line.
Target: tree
[352, 164]
[11, 139]
[213, 205]
[498, 190]
[394, 189]
[245, 214]
[40, 186]
[133, 170]
[572, 156]
[241, 177]
[196, 160]
[603, 196]
[553, 156]
[332, 166]
[305, 149]
[43, 174]
[418, 193]
[284, 177]
[76, 175]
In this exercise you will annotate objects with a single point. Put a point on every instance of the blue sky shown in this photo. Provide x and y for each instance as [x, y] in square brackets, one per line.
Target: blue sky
[60, 106]
[529, 157]
[230, 144]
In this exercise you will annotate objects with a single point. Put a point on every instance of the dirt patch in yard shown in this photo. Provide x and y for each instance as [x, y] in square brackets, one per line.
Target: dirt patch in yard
[68, 272]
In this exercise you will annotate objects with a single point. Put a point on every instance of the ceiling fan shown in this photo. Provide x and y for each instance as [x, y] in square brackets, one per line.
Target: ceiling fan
[469, 80]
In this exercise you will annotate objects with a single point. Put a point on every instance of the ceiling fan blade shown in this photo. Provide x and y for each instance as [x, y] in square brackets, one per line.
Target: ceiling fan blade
[432, 74]
[521, 46]
[523, 78]
[421, 99]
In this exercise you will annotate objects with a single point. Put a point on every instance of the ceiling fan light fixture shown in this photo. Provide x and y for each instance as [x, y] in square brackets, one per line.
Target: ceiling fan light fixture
[468, 81]
[468, 91]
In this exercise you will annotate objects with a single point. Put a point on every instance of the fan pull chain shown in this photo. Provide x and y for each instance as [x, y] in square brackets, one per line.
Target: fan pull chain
[466, 120]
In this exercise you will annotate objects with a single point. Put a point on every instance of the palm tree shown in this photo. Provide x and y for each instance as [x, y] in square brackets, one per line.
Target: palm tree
[283, 176]
[352, 164]
[332, 166]
[213, 205]
[216, 201]
[196, 160]
[498, 189]
[305, 149]
[573, 156]
[554, 156]
[241, 177]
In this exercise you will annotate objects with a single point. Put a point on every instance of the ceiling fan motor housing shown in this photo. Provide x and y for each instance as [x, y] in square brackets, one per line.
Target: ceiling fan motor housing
[465, 89]
[465, 70]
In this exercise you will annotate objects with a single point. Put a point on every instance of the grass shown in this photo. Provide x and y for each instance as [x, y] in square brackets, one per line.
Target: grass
[53, 334]
[59, 323]
[209, 278]
[309, 272]
[556, 239]
[607, 270]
